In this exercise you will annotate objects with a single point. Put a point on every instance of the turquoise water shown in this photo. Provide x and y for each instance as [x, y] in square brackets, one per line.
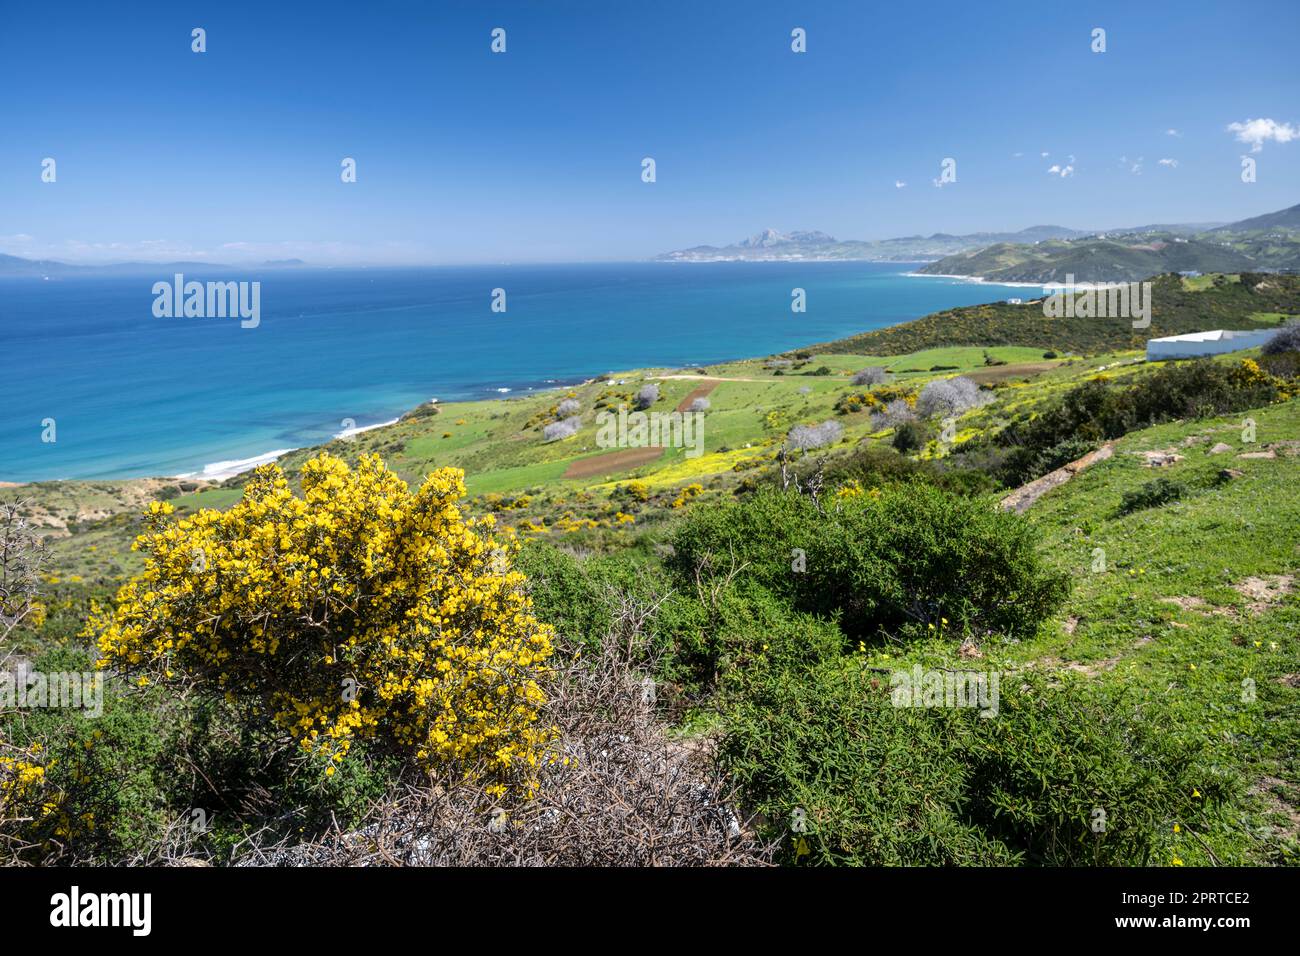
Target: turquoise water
[131, 394]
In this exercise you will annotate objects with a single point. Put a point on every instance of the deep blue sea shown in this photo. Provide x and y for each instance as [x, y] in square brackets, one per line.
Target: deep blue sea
[132, 395]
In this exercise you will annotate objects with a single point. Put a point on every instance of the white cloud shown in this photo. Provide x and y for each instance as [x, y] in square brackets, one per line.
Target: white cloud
[1173, 163]
[1061, 171]
[1016, 155]
[899, 184]
[1257, 132]
[1172, 132]
[1044, 154]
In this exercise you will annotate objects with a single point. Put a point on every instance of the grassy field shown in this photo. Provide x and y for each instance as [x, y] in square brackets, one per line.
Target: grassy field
[501, 447]
[1192, 604]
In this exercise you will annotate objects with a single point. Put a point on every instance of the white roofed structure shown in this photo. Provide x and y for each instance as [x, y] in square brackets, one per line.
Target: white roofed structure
[1216, 342]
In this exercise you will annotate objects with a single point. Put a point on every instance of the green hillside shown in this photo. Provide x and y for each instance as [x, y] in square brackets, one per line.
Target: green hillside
[1178, 305]
[1125, 258]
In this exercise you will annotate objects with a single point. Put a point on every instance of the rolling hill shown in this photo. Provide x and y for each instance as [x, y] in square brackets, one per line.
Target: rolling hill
[1269, 243]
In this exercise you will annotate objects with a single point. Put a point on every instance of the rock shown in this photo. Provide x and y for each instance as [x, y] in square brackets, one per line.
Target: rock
[1024, 496]
[1220, 448]
[1259, 454]
[1227, 474]
[1160, 459]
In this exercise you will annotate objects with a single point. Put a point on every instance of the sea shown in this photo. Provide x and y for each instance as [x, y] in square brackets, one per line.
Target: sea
[93, 384]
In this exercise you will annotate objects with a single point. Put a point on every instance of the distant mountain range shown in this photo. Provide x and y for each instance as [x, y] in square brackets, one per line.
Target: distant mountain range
[1269, 243]
[1034, 254]
[772, 246]
[17, 266]
[1286, 219]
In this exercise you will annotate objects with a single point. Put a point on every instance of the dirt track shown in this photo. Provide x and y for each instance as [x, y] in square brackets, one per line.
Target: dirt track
[685, 404]
[615, 461]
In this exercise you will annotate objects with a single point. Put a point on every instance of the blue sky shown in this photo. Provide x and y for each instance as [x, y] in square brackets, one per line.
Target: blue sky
[535, 155]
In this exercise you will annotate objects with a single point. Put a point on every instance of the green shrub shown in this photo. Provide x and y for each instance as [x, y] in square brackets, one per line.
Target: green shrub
[873, 466]
[694, 632]
[876, 785]
[1154, 493]
[105, 793]
[909, 437]
[1086, 773]
[156, 773]
[911, 554]
[885, 785]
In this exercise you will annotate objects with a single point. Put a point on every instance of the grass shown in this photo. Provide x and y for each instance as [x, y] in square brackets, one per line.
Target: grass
[1127, 627]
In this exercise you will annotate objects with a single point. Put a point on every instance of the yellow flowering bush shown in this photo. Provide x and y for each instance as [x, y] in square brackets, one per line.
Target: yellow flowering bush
[25, 798]
[19, 778]
[637, 490]
[358, 611]
[686, 494]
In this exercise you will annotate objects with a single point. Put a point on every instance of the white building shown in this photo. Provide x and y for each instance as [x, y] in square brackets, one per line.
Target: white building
[1194, 344]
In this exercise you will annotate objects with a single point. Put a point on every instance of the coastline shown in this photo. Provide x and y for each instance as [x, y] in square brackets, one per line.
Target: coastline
[975, 279]
[242, 458]
[221, 470]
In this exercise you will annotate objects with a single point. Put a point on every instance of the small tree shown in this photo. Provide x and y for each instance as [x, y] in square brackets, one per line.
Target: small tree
[565, 428]
[909, 437]
[815, 436]
[648, 395]
[896, 413]
[948, 396]
[21, 556]
[876, 375]
[1286, 340]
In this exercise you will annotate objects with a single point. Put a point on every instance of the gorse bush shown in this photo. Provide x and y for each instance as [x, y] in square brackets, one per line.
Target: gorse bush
[357, 611]
[945, 786]
[893, 562]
